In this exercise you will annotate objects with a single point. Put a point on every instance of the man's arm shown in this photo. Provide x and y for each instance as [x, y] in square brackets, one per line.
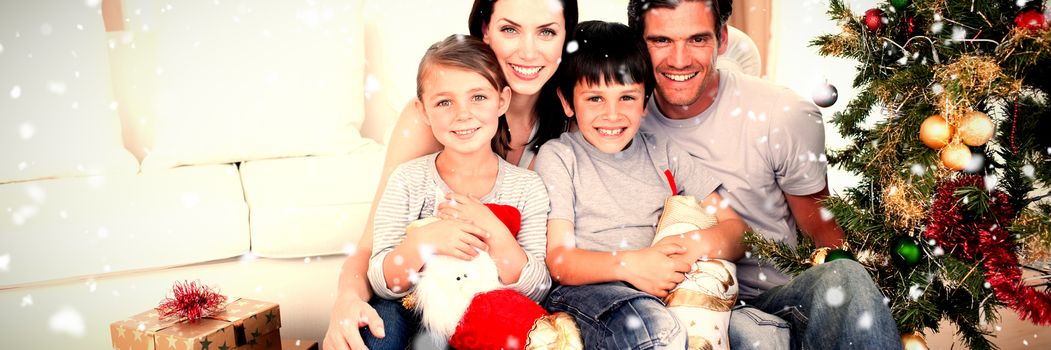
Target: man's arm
[807, 212]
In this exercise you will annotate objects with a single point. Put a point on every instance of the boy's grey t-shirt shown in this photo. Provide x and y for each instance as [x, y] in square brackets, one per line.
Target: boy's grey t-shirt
[615, 200]
[759, 140]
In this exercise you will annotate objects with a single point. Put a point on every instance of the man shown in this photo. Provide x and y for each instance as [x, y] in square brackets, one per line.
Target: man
[766, 145]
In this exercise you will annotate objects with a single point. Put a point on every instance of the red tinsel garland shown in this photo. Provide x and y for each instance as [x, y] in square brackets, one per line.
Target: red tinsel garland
[987, 239]
[191, 301]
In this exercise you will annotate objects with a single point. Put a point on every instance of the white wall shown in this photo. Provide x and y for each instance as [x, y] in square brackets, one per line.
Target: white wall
[795, 64]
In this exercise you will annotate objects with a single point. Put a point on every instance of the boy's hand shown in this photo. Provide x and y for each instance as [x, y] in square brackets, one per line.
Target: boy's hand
[459, 206]
[652, 270]
[453, 237]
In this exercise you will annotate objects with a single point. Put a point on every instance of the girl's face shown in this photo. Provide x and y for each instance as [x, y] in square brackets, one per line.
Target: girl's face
[462, 108]
[527, 36]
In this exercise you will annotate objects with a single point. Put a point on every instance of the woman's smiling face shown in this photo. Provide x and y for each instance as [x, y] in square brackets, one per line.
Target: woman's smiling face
[527, 36]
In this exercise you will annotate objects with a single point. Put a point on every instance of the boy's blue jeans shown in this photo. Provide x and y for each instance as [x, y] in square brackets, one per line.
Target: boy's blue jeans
[834, 305]
[399, 325]
[616, 316]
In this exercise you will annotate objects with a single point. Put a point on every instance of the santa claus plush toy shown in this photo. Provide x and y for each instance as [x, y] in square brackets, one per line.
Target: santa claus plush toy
[464, 302]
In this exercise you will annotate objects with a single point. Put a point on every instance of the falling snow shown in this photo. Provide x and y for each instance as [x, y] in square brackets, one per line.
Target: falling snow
[975, 163]
[5, 262]
[835, 296]
[633, 322]
[67, 321]
[27, 301]
[26, 131]
[1029, 171]
[572, 46]
[16, 92]
[917, 169]
[915, 292]
[865, 321]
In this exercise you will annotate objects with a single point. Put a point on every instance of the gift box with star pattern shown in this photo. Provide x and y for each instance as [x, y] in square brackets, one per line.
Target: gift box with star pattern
[243, 322]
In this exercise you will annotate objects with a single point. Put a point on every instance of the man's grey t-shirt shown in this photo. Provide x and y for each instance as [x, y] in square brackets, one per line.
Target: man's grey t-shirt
[759, 140]
[615, 200]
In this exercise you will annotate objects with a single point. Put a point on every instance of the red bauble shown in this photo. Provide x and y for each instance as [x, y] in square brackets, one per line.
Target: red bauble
[500, 319]
[1031, 20]
[875, 19]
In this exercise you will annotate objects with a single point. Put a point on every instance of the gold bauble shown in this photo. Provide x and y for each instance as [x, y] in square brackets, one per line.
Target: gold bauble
[935, 132]
[818, 256]
[956, 156]
[913, 341]
[976, 128]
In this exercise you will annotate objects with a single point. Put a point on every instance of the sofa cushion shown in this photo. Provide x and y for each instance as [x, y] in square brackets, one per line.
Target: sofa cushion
[57, 112]
[97, 225]
[310, 205]
[250, 80]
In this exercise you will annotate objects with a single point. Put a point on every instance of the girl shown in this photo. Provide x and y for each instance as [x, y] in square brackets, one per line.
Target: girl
[463, 93]
[529, 37]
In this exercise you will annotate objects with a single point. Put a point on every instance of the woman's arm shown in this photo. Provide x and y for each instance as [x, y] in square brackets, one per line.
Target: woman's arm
[411, 139]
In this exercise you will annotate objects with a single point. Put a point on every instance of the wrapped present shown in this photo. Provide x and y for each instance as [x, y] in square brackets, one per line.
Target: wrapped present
[272, 341]
[242, 322]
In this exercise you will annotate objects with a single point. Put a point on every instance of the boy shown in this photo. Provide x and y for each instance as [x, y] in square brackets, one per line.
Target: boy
[607, 187]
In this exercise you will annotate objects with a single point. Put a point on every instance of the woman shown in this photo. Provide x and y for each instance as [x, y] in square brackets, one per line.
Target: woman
[528, 37]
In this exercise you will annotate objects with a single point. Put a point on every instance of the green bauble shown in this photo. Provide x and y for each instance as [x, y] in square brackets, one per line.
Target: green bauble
[906, 252]
[837, 254]
[899, 4]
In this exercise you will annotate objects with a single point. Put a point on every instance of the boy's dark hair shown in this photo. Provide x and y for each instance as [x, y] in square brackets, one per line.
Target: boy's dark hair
[606, 52]
[551, 119]
[721, 9]
[470, 54]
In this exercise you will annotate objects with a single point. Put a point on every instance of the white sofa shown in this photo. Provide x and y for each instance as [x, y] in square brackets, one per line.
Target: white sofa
[237, 143]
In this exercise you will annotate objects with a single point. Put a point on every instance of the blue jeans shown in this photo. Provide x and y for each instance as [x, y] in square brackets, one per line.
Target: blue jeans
[399, 325]
[834, 305]
[616, 316]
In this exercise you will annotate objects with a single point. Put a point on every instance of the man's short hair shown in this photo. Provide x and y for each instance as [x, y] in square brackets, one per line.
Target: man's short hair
[721, 9]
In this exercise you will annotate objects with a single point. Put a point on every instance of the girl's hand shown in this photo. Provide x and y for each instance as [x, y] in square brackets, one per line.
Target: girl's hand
[652, 270]
[459, 206]
[459, 238]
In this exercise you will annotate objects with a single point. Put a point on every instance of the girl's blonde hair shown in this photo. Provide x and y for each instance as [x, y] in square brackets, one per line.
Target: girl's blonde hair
[474, 55]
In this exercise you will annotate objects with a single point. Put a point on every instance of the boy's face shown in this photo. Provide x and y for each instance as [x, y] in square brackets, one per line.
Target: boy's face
[608, 116]
[462, 108]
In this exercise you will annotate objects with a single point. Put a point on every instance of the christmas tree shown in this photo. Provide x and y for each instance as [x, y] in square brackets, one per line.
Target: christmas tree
[950, 135]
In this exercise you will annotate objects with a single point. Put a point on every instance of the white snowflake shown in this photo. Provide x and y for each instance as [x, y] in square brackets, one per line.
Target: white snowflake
[865, 320]
[917, 169]
[190, 199]
[56, 87]
[426, 252]
[633, 322]
[937, 89]
[915, 292]
[248, 257]
[975, 163]
[306, 260]
[990, 182]
[958, 33]
[1029, 171]
[835, 296]
[398, 260]
[26, 130]
[826, 215]
[68, 321]
[103, 232]
[27, 300]
[16, 92]
[372, 85]
[350, 249]
[762, 276]
[5, 262]
[92, 3]
[572, 46]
